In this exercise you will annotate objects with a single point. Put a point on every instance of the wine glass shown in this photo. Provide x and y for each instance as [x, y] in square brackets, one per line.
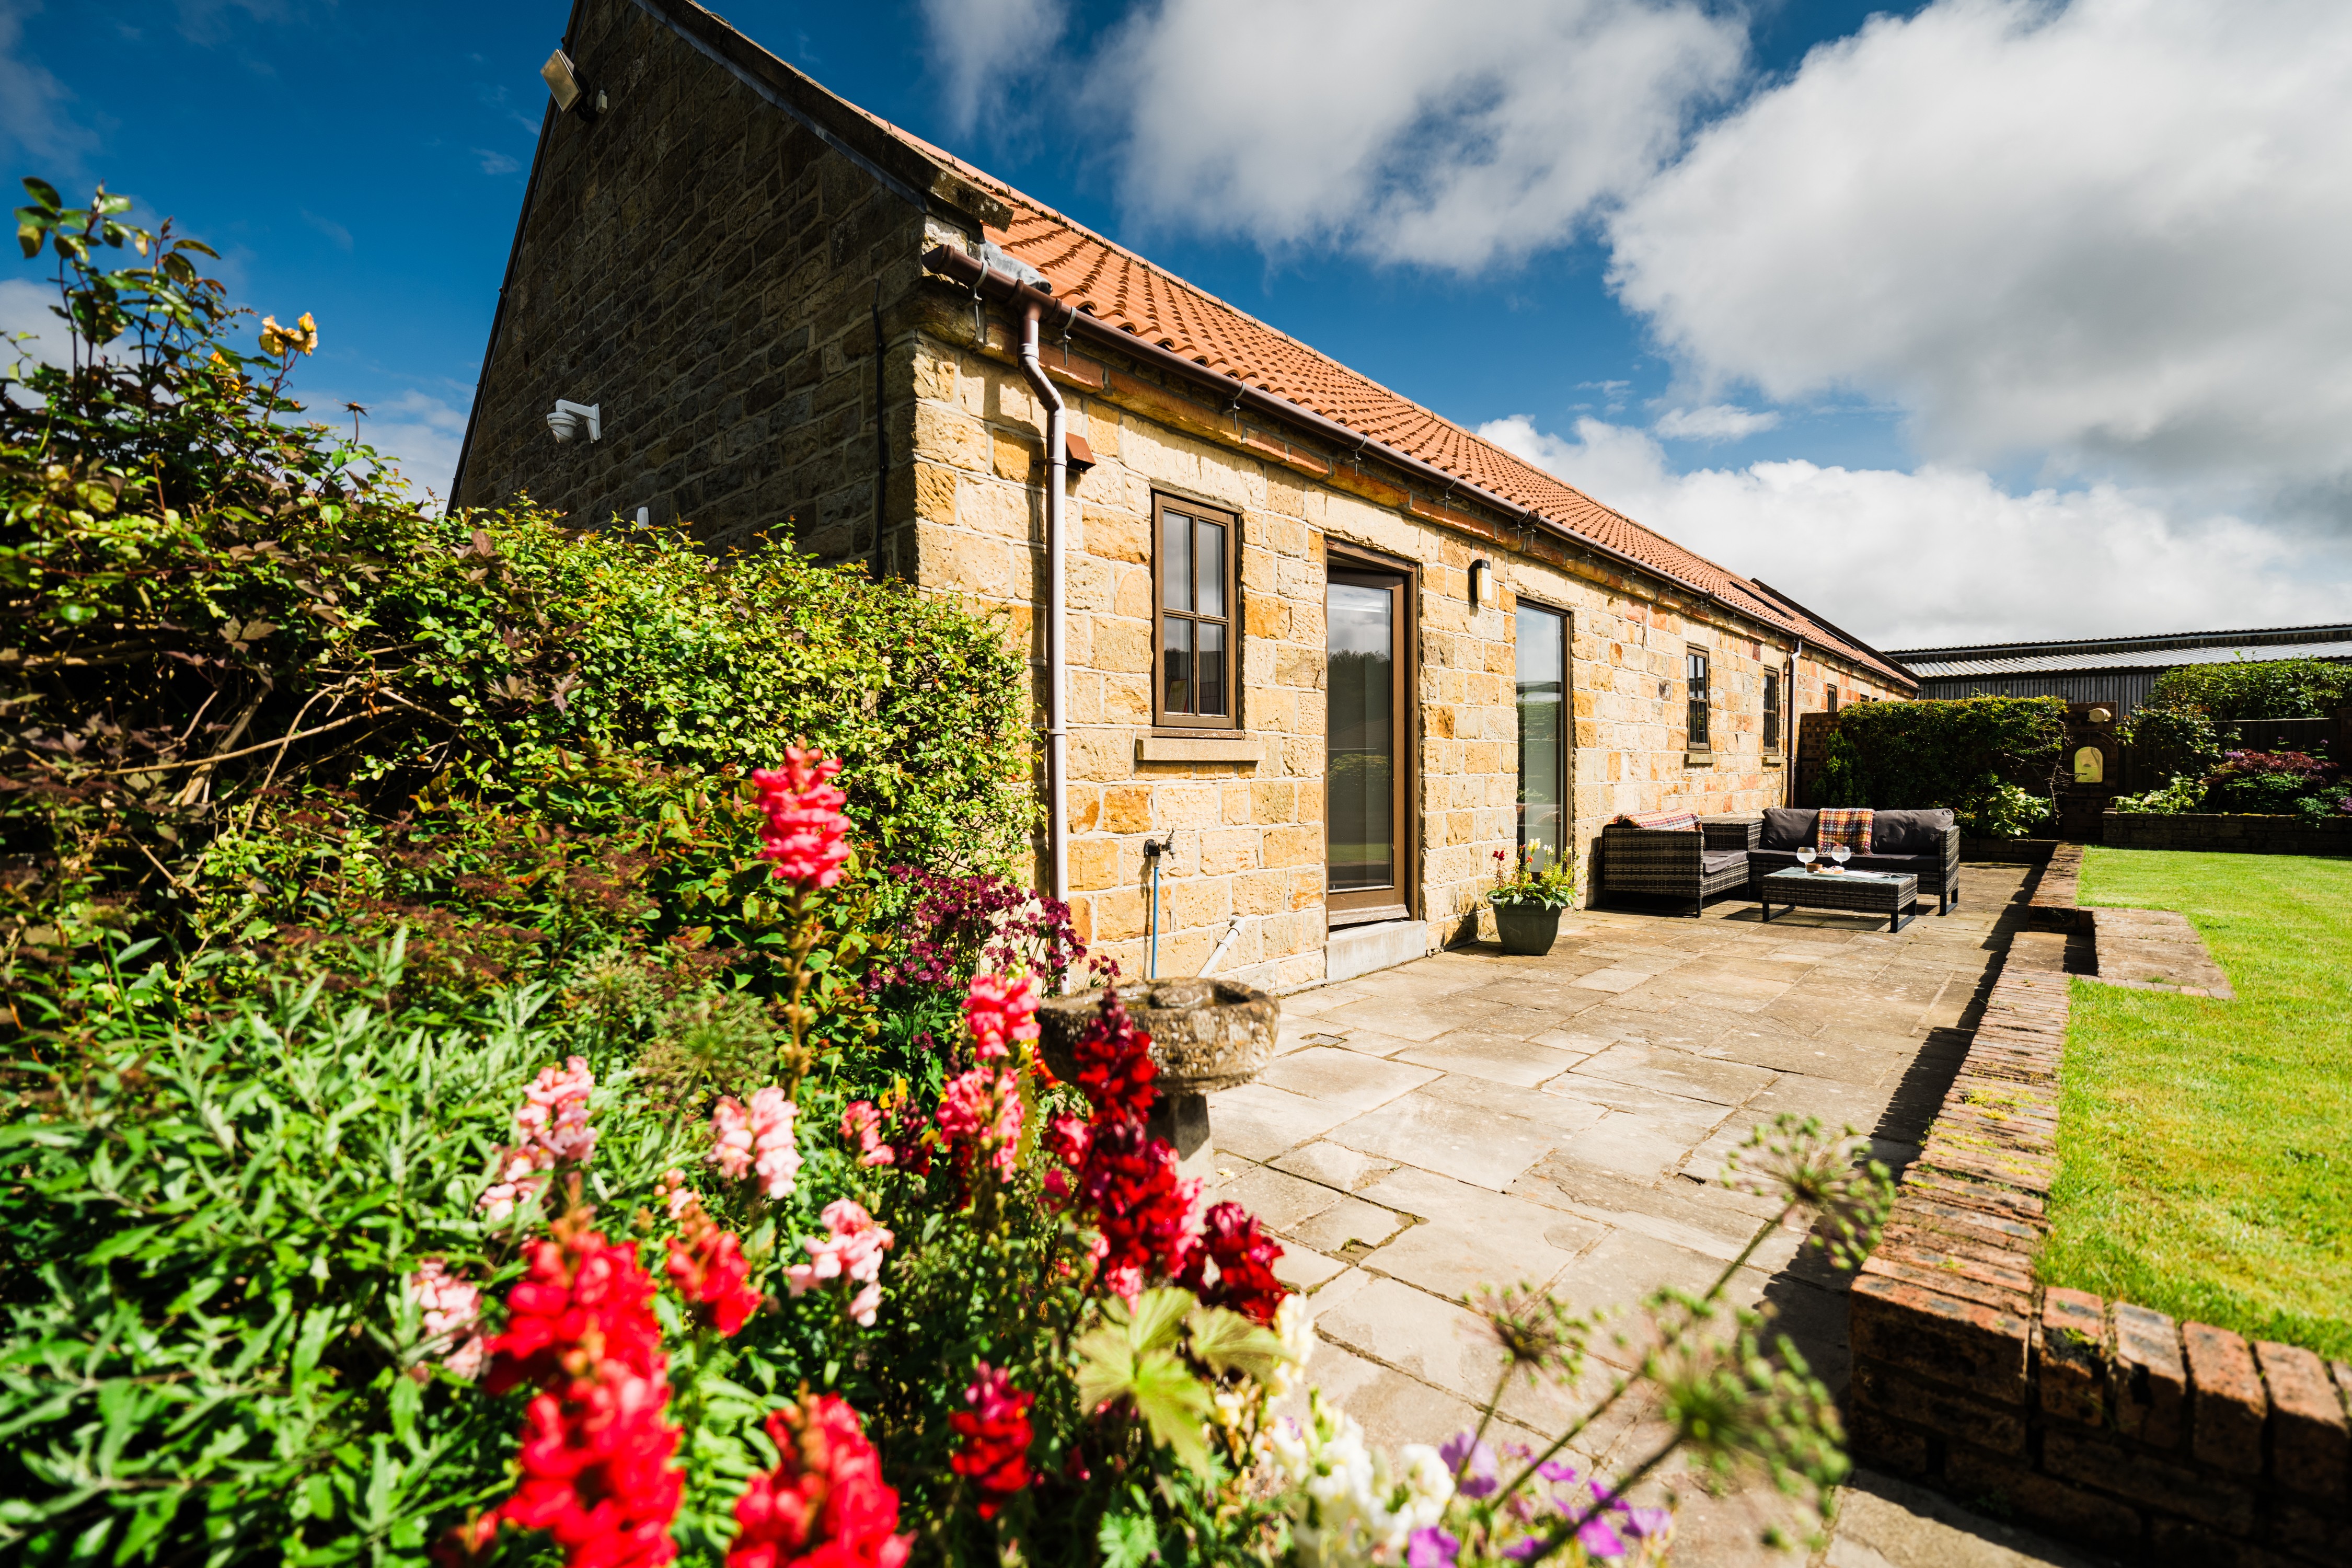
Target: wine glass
[1841, 854]
[1806, 855]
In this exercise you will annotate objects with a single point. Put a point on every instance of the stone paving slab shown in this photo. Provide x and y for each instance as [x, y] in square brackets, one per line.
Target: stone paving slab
[1473, 1119]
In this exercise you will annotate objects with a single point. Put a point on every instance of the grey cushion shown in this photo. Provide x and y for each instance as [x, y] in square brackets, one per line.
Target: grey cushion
[1909, 832]
[1789, 826]
[1716, 859]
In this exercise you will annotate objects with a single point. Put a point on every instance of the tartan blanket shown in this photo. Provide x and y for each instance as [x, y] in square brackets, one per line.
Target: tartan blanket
[1846, 825]
[1662, 821]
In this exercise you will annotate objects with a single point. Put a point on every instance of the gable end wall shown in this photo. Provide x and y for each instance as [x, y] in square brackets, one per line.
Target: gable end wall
[703, 267]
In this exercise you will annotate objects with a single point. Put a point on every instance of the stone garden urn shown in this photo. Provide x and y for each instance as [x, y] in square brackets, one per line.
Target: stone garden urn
[1206, 1035]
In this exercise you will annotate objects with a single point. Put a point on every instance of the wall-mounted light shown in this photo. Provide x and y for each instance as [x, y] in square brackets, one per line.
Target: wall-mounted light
[571, 94]
[566, 419]
[1482, 583]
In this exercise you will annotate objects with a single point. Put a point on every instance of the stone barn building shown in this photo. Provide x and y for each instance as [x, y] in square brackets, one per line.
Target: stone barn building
[1325, 649]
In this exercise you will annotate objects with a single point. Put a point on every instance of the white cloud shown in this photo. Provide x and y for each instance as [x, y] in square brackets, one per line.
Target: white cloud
[1716, 422]
[2111, 232]
[336, 232]
[24, 307]
[496, 162]
[980, 48]
[1943, 555]
[1452, 135]
[33, 118]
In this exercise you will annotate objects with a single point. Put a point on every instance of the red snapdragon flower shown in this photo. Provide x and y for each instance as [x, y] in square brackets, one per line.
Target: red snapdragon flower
[595, 1471]
[597, 1444]
[1115, 1068]
[995, 1453]
[1232, 1238]
[707, 1266]
[806, 835]
[825, 1504]
[583, 1302]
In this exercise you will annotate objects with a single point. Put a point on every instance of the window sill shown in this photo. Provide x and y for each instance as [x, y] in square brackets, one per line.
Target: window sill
[1771, 759]
[1199, 748]
[1698, 759]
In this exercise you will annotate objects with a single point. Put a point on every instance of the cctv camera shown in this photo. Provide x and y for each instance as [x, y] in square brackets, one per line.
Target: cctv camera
[563, 421]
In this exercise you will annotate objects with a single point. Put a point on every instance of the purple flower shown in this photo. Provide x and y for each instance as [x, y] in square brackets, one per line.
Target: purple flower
[1431, 1547]
[1559, 1472]
[1598, 1539]
[1478, 1478]
[1648, 1523]
[1519, 1550]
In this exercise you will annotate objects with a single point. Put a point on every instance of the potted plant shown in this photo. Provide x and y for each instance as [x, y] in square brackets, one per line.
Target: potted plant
[1527, 897]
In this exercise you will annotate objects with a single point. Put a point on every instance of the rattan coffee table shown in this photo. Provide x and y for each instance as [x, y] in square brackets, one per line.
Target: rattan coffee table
[1894, 895]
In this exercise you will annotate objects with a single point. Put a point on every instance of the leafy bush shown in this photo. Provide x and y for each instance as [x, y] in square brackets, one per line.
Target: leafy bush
[2278, 783]
[2253, 689]
[1993, 761]
[250, 683]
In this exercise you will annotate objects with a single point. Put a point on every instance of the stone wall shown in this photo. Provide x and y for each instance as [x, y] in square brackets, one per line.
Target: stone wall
[2246, 835]
[1249, 834]
[703, 267]
[2100, 1422]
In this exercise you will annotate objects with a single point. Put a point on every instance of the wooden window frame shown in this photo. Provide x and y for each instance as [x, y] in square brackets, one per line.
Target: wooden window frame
[1402, 901]
[1567, 724]
[1163, 719]
[1698, 697]
[1774, 700]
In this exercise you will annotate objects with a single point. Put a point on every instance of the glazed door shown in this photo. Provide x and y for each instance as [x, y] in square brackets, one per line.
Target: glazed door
[1368, 759]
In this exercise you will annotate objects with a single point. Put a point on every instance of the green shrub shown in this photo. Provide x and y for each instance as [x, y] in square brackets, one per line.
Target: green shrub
[1993, 760]
[2259, 688]
[255, 696]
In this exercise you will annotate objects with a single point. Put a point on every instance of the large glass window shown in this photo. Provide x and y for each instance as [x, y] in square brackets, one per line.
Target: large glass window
[1194, 569]
[1694, 679]
[1543, 731]
[1364, 812]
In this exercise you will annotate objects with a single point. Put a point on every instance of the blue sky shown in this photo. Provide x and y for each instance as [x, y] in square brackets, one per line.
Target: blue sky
[1823, 296]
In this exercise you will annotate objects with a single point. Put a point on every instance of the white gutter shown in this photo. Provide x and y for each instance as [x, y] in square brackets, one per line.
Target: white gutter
[1057, 673]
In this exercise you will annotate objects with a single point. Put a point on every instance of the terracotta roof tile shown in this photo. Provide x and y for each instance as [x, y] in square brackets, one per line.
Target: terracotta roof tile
[1121, 289]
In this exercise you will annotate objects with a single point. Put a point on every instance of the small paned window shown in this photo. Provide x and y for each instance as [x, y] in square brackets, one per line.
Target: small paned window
[1694, 679]
[1831, 692]
[1771, 712]
[1194, 627]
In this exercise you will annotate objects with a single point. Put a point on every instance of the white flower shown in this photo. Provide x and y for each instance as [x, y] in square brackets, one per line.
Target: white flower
[1345, 1510]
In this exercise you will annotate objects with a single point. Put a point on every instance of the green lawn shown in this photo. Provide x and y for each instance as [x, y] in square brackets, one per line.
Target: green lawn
[2205, 1147]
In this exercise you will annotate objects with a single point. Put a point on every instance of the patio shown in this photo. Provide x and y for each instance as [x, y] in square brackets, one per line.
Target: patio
[1475, 1119]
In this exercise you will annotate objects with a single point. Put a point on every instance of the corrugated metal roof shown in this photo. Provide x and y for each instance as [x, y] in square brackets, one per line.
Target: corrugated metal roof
[2129, 653]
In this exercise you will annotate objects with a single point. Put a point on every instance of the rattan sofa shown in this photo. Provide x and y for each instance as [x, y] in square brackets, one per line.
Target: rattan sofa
[1922, 844]
[1690, 864]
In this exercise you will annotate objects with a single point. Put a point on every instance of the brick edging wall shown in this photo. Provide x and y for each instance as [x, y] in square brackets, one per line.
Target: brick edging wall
[2104, 1423]
[2246, 835]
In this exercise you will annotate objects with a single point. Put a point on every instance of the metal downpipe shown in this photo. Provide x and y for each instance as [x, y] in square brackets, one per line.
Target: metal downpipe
[1057, 674]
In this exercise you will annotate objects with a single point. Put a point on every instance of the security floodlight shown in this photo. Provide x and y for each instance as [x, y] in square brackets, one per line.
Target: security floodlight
[564, 420]
[571, 93]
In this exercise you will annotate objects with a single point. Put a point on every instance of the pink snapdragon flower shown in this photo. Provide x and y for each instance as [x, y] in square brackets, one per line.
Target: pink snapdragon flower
[759, 1140]
[452, 1307]
[851, 1250]
[980, 1115]
[806, 835]
[1001, 1011]
[861, 1123]
[552, 1129]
